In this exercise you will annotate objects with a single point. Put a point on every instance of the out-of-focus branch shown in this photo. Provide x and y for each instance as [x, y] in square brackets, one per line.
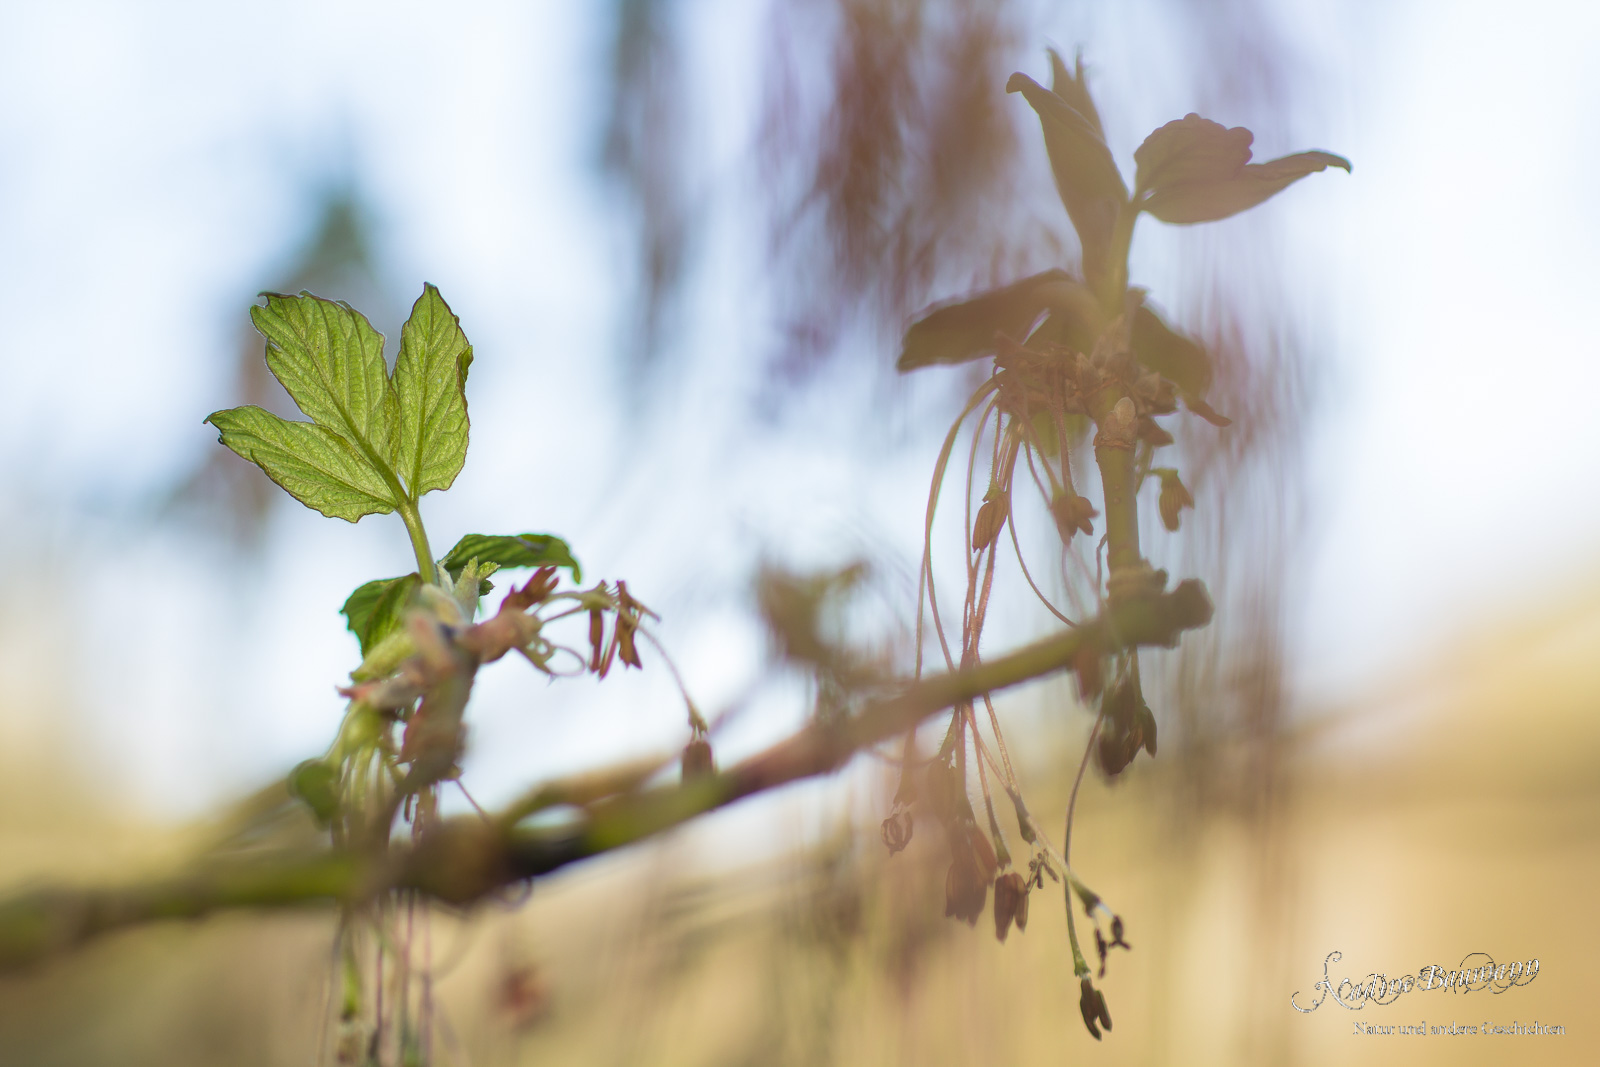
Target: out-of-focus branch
[464, 859]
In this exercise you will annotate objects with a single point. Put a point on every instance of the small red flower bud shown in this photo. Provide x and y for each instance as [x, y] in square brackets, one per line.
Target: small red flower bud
[1010, 903]
[625, 650]
[965, 890]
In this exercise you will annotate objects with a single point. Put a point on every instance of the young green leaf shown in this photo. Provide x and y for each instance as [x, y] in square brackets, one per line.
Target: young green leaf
[374, 610]
[357, 609]
[313, 464]
[1195, 170]
[330, 360]
[507, 550]
[966, 329]
[430, 379]
[1086, 176]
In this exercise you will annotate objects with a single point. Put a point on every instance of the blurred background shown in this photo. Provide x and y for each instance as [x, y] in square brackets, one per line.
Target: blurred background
[683, 238]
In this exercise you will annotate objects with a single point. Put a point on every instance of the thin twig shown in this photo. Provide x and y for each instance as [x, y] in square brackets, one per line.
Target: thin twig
[462, 860]
[1072, 802]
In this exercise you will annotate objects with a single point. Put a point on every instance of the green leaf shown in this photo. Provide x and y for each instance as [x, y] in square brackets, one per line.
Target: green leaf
[1182, 361]
[358, 606]
[966, 329]
[430, 380]
[330, 360]
[313, 464]
[511, 550]
[374, 442]
[1086, 176]
[1195, 170]
[375, 610]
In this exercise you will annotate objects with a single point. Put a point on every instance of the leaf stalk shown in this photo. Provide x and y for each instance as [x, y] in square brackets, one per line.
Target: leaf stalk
[419, 540]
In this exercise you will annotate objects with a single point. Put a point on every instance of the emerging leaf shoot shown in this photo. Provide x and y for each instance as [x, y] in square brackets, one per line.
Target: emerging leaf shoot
[512, 550]
[430, 380]
[375, 442]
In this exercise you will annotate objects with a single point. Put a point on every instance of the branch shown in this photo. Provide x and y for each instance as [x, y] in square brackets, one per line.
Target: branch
[464, 859]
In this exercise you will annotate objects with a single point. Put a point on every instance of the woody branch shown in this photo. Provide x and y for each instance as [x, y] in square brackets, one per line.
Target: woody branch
[462, 860]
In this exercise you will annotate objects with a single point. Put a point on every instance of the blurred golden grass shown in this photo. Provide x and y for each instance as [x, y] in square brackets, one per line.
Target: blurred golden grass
[1454, 811]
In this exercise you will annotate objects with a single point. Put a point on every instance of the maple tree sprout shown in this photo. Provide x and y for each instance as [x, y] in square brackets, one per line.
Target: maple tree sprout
[1073, 355]
[376, 443]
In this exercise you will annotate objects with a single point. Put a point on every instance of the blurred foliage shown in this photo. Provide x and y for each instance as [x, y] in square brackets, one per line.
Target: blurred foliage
[892, 172]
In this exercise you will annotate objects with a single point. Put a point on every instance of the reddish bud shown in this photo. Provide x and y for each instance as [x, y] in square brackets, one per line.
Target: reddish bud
[990, 521]
[1147, 726]
[1072, 514]
[1174, 497]
[597, 637]
[625, 650]
[1114, 752]
[972, 867]
[1092, 1003]
[965, 889]
[1010, 903]
[538, 587]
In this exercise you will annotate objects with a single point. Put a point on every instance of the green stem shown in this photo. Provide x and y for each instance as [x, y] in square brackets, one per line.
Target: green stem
[1122, 507]
[419, 541]
[1080, 966]
[1113, 284]
[1118, 479]
[1117, 466]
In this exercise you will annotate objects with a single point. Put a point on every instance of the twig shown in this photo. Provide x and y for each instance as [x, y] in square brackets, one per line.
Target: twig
[462, 860]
